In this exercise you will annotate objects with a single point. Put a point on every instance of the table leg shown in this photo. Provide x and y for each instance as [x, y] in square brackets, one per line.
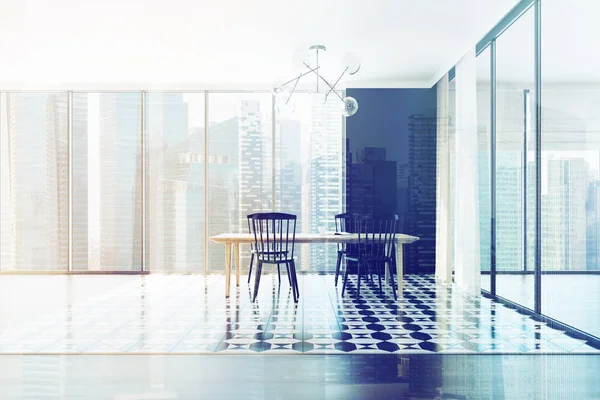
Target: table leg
[386, 266]
[399, 268]
[238, 267]
[227, 268]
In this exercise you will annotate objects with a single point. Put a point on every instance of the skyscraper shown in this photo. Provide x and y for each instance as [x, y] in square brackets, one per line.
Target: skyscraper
[120, 181]
[254, 163]
[564, 217]
[323, 182]
[35, 182]
[80, 186]
[223, 186]
[168, 182]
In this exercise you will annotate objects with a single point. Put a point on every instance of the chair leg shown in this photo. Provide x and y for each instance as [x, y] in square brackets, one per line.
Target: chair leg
[295, 279]
[379, 270]
[287, 268]
[359, 265]
[393, 264]
[278, 275]
[393, 282]
[337, 266]
[257, 279]
[295, 284]
[251, 262]
[345, 280]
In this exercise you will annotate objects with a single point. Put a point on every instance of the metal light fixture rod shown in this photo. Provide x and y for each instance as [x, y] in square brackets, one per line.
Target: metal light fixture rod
[300, 76]
[328, 84]
[292, 91]
[336, 82]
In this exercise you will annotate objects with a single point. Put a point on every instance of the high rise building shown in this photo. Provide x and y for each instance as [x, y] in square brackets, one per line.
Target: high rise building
[120, 181]
[509, 209]
[254, 164]
[593, 226]
[80, 186]
[167, 182]
[288, 169]
[223, 186]
[564, 217]
[35, 182]
[323, 181]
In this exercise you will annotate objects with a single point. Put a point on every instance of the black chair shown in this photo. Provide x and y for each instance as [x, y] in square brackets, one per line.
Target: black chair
[274, 239]
[376, 238]
[343, 224]
[249, 218]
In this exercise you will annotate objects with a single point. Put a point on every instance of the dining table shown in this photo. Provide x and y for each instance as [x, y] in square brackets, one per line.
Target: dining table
[232, 241]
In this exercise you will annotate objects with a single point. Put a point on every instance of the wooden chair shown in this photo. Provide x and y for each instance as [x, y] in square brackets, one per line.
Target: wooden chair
[274, 239]
[376, 238]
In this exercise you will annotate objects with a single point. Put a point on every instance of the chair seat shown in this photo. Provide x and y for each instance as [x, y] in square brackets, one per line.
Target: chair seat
[268, 252]
[274, 257]
[357, 257]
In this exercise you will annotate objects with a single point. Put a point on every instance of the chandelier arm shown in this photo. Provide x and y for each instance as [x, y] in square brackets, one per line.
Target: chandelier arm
[324, 80]
[332, 88]
[294, 88]
[298, 77]
[336, 82]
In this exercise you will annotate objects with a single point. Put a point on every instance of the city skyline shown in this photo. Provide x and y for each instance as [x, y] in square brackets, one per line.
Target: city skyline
[106, 182]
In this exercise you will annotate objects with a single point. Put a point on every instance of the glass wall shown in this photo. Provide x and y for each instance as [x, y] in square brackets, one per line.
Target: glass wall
[175, 181]
[34, 187]
[309, 173]
[107, 181]
[567, 97]
[483, 133]
[515, 172]
[143, 175]
[240, 154]
[570, 165]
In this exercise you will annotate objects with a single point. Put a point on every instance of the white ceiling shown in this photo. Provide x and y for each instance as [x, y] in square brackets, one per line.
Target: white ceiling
[207, 44]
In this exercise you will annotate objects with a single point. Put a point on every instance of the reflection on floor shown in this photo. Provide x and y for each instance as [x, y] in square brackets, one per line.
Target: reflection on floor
[573, 299]
[188, 314]
[359, 376]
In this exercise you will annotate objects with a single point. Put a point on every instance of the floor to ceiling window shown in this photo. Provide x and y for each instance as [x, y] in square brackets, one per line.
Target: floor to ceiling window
[483, 133]
[570, 165]
[515, 172]
[168, 197]
[175, 186]
[309, 175]
[554, 93]
[107, 181]
[240, 154]
[452, 144]
[34, 186]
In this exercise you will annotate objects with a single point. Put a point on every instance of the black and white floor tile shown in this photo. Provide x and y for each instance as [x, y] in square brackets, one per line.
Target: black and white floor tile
[188, 314]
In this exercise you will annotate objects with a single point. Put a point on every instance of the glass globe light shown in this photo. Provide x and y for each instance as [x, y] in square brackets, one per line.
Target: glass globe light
[350, 106]
[351, 62]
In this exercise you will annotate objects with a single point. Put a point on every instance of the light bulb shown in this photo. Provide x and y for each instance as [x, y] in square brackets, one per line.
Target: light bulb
[350, 106]
[351, 62]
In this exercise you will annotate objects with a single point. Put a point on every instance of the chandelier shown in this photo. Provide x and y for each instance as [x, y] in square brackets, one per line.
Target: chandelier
[323, 88]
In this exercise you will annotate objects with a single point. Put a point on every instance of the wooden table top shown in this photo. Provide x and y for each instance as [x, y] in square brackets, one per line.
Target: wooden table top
[307, 238]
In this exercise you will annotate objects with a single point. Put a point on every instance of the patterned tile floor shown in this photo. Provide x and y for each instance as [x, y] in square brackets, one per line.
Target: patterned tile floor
[188, 314]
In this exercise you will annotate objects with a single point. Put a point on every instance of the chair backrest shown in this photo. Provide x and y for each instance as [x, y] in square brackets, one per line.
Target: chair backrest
[249, 218]
[376, 235]
[274, 235]
[343, 222]
[347, 222]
